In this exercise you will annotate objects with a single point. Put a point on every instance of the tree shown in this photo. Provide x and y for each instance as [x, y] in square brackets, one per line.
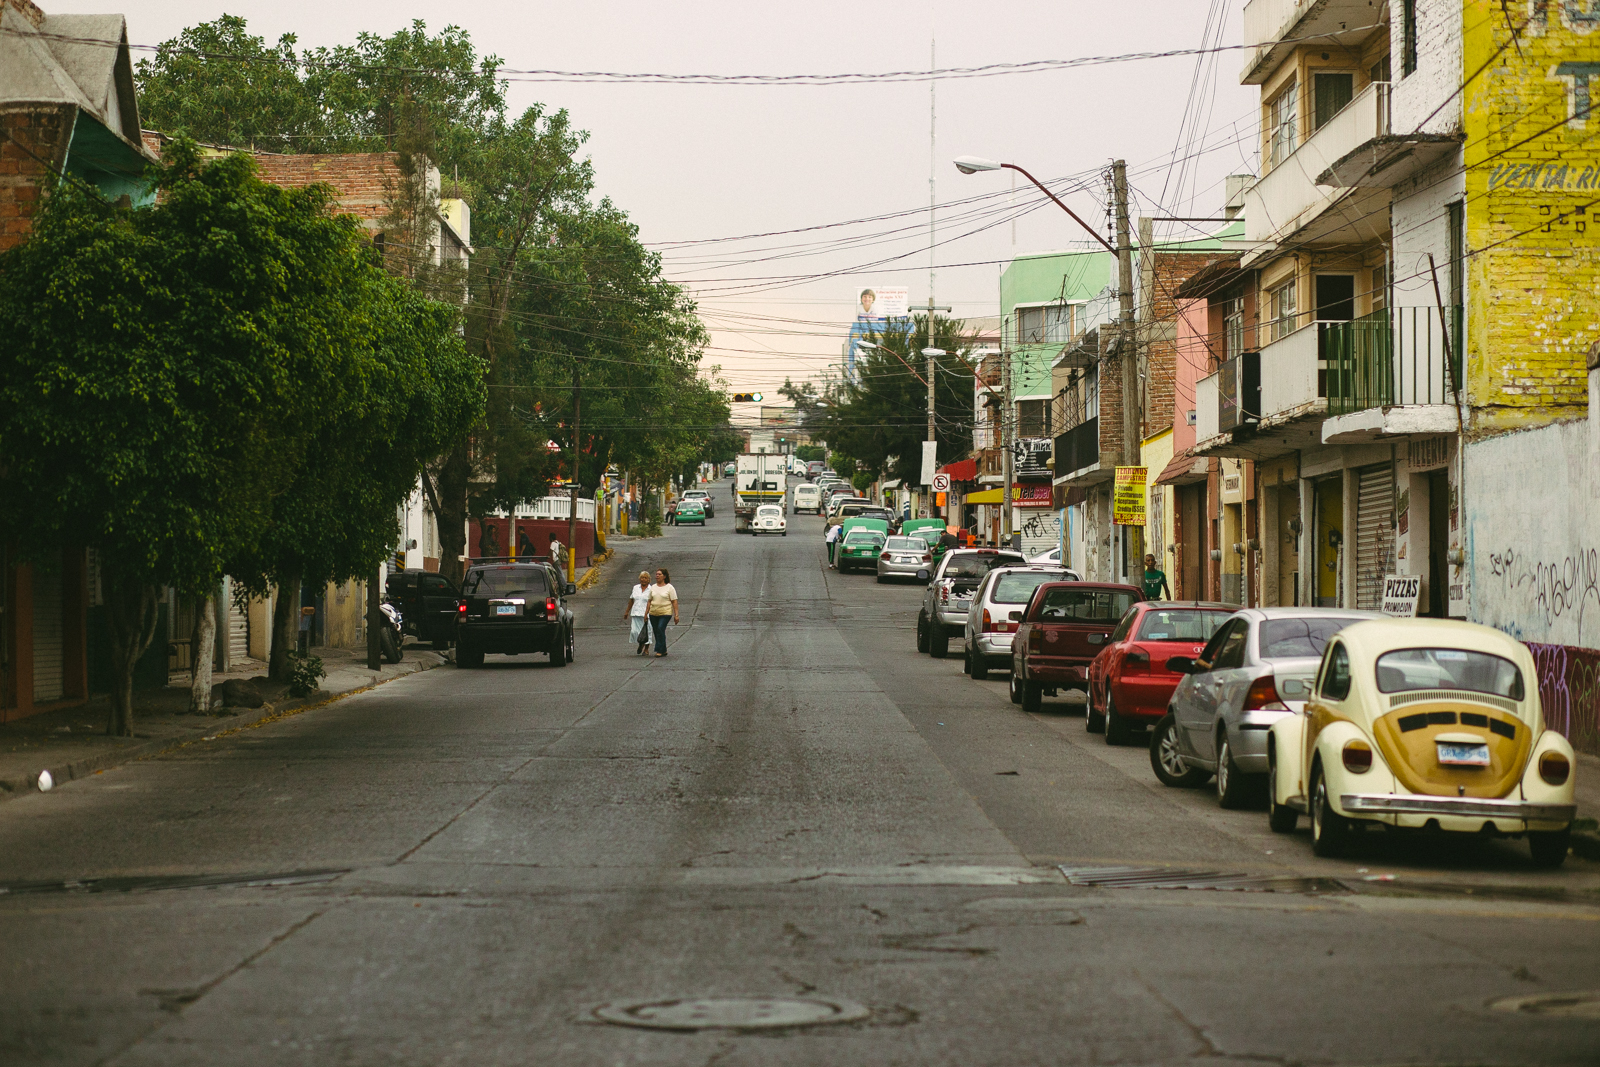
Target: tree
[164, 377]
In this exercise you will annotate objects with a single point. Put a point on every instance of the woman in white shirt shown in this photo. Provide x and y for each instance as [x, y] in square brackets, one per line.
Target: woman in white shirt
[663, 606]
[636, 613]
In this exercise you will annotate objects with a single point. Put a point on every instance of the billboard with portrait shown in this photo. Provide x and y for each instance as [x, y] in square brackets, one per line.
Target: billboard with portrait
[878, 310]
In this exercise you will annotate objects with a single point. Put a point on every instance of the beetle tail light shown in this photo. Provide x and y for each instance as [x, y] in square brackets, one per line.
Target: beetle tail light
[1554, 768]
[1357, 756]
[1263, 696]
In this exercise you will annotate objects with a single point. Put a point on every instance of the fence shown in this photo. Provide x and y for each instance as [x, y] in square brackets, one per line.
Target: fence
[1392, 356]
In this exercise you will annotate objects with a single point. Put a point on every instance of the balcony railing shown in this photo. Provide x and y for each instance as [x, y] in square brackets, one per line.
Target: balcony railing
[1078, 448]
[1397, 356]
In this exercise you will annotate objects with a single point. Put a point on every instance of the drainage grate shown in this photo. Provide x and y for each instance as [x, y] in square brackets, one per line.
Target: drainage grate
[1169, 878]
[730, 1013]
[1583, 1005]
[137, 883]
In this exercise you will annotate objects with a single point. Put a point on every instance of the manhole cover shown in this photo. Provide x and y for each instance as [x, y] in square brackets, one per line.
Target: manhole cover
[730, 1013]
[1585, 1005]
[1168, 878]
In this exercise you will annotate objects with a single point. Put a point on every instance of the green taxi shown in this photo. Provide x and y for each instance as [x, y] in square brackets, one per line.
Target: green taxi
[690, 511]
[859, 549]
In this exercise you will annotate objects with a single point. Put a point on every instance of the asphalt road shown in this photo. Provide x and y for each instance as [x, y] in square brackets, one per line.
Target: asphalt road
[461, 866]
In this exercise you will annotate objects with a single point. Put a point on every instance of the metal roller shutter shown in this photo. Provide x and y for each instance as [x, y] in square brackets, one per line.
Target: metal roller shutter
[47, 657]
[1374, 534]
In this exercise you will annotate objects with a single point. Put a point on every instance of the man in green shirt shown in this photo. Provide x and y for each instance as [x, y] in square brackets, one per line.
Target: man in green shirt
[1155, 581]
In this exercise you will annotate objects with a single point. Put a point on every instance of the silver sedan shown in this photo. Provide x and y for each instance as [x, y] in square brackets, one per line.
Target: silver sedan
[904, 557]
[1256, 669]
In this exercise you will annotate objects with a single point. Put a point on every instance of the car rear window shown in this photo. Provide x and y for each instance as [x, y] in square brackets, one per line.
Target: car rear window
[505, 581]
[1448, 668]
[1086, 605]
[979, 564]
[1017, 588]
[1298, 638]
[905, 544]
[1180, 624]
[863, 537]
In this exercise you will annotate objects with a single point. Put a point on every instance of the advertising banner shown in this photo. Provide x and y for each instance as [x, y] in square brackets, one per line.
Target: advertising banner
[930, 461]
[878, 310]
[1128, 498]
[1400, 595]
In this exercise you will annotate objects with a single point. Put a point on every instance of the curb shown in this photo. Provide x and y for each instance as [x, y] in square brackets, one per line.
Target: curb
[592, 575]
[11, 789]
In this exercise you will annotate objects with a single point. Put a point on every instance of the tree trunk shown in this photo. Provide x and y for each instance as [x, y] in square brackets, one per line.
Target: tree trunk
[452, 514]
[374, 619]
[285, 628]
[204, 646]
[131, 625]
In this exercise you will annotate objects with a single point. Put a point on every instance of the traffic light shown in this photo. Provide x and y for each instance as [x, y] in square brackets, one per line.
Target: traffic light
[746, 398]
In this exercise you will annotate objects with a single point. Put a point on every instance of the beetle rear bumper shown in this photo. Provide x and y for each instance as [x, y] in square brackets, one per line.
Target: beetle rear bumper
[1471, 807]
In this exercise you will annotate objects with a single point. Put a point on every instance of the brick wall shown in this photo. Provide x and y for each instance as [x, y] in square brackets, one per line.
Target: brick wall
[365, 182]
[1160, 312]
[33, 149]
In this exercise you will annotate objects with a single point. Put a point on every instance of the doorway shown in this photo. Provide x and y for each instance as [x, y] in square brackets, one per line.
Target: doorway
[1438, 544]
[1328, 540]
[1336, 297]
[1191, 542]
[1289, 545]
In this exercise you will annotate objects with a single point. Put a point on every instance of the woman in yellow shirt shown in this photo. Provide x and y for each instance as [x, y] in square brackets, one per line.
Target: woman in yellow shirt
[663, 606]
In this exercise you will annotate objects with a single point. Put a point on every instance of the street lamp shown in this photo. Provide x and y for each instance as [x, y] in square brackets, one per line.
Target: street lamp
[973, 164]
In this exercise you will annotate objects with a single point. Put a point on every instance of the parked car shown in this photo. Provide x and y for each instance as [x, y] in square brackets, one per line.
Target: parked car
[807, 498]
[1062, 629]
[1054, 557]
[769, 519]
[1423, 724]
[511, 608]
[905, 557]
[1130, 683]
[1256, 669]
[949, 595]
[689, 511]
[729, 469]
[427, 602]
[995, 614]
[706, 502]
[859, 549]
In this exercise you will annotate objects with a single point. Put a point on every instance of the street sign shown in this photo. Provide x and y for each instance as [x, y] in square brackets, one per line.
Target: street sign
[941, 483]
[1400, 595]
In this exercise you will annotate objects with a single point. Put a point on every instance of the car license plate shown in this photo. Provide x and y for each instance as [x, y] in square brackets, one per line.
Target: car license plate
[1462, 755]
[505, 609]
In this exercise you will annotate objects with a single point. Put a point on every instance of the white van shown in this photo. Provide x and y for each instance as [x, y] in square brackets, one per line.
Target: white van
[807, 497]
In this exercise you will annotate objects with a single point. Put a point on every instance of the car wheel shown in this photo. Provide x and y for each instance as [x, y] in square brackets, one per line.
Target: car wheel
[1549, 847]
[1330, 831]
[922, 632]
[468, 657]
[938, 641]
[389, 646]
[1232, 786]
[1032, 696]
[1117, 729]
[1167, 761]
[1280, 817]
[558, 655]
[1093, 721]
[572, 646]
[880, 579]
[1015, 688]
[980, 667]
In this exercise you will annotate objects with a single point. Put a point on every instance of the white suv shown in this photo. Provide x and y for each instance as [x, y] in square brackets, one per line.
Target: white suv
[996, 610]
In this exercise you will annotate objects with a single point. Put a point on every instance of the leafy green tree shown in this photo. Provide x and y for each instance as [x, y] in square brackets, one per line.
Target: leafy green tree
[164, 377]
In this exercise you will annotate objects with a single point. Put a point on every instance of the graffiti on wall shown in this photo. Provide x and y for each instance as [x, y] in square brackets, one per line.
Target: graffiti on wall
[1552, 591]
[1569, 690]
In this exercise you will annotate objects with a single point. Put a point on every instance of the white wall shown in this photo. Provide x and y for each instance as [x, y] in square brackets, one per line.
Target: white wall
[1420, 227]
[1439, 67]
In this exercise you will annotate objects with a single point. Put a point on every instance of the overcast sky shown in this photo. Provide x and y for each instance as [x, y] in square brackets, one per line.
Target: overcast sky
[692, 163]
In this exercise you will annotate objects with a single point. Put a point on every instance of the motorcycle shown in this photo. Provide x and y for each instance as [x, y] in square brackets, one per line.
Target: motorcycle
[390, 644]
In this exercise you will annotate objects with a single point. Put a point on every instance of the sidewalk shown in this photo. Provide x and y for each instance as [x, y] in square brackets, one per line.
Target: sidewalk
[72, 743]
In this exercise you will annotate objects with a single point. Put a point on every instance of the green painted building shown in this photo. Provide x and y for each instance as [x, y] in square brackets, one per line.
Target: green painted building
[1047, 299]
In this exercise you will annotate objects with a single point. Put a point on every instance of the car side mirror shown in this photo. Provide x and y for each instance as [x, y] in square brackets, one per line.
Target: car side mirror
[1181, 665]
[569, 589]
[1095, 639]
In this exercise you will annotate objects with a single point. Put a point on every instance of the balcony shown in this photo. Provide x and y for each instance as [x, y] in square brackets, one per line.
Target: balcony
[1270, 24]
[1078, 449]
[1288, 200]
[1392, 373]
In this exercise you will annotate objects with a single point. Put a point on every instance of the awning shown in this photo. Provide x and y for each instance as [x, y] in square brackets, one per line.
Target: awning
[1022, 496]
[1185, 469]
[962, 470]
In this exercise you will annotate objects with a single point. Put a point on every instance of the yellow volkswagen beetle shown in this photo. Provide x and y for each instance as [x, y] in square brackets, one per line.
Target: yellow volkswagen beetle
[1424, 724]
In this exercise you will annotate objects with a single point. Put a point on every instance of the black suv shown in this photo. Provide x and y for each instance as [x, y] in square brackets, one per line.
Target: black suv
[511, 608]
[428, 603]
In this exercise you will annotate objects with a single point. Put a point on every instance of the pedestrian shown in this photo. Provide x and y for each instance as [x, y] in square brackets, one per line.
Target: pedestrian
[1155, 580]
[637, 613]
[663, 600]
[832, 538]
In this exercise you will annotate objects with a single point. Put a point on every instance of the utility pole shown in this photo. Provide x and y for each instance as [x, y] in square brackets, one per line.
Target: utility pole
[1006, 424]
[577, 468]
[1128, 343]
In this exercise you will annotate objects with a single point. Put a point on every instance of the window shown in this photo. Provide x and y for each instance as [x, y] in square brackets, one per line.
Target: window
[860, 538]
[1231, 654]
[1283, 124]
[1448, 668]
[1455, 216]
[1380, 70]
[1033, 418]
[1121, 632]
[1233, 328]
[1181, 624]
[1086, 605]
[1051, 324]
[1297, 638]
[1380, 288]
[1332, 92]
[979, 564]
[505, 581]
[1335, 681]
[1017, 588]
[1408, 37]
[1285, 317]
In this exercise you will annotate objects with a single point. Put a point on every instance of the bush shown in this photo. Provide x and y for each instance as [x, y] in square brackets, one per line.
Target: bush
[305, 673]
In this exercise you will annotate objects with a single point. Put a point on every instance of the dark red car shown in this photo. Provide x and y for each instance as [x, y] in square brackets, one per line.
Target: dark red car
[1064, 627]
[1129, 684]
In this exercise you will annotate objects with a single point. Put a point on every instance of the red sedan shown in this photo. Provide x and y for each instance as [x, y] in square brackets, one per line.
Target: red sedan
[1129, 684]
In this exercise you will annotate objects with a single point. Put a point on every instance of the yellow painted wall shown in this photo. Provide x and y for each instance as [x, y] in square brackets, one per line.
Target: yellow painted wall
[1530, 211]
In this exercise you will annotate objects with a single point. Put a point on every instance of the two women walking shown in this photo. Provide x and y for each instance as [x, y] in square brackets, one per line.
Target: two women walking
[650, 608]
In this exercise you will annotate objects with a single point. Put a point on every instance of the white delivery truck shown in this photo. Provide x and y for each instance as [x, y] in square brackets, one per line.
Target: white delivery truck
[760, 479]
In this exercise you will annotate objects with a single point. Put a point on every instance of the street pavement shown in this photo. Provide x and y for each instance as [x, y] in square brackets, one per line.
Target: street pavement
[461, 867]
